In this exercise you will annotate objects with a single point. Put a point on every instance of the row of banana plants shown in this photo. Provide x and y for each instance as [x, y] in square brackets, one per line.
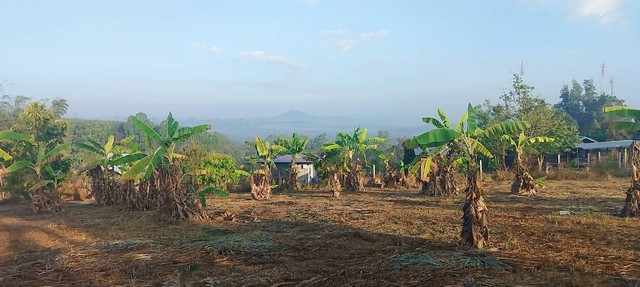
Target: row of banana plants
[149, 178]
[447, 146]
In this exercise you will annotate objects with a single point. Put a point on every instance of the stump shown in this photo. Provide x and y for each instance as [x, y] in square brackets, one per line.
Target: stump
[632, 203]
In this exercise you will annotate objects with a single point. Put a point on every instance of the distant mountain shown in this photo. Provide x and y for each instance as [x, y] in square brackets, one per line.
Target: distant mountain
[309, 125]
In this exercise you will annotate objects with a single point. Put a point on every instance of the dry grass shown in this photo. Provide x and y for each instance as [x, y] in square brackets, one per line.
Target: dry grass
[376, 238]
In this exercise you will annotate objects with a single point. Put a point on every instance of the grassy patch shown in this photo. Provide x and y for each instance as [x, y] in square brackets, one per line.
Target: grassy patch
[223, 241]
[449, 259]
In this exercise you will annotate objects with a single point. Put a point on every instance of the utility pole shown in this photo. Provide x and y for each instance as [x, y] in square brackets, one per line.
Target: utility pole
[521, 68]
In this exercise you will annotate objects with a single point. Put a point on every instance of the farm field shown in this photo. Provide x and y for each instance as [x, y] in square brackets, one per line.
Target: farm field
[306, 238]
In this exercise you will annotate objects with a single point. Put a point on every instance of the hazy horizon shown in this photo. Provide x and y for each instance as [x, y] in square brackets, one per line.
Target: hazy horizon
[357, 59]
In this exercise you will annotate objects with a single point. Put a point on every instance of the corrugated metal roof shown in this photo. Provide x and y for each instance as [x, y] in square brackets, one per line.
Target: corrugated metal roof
[605, 145]
[287, 159]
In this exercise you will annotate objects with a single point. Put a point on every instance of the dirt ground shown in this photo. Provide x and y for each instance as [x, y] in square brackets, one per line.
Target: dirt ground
[375, 238]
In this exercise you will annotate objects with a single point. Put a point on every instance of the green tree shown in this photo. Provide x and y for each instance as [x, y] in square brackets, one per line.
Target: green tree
[629, 119]
[10, 109]
[46, 131]
[519, 104]
[5, 156]
[295, 146]
[318, 141]
[475, 228]
[220, 171]
[583, 104]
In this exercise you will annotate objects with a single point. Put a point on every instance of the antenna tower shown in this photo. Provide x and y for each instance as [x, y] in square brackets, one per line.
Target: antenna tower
[611, 91]
[602, 78]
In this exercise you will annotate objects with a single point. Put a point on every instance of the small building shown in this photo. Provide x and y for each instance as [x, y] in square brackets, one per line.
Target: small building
[306, 170]
[591, 152]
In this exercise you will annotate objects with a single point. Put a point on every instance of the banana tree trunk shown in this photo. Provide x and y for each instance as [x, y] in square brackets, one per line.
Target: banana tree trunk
[44, 199]
[475, 220]
[334, 182]
[261, 185]
[446, 181]
[98, 182]
[390, 177]
[430, 181]
[293, 176]
[355, 179]
[523, 181]
[178, 201]
[632, 202]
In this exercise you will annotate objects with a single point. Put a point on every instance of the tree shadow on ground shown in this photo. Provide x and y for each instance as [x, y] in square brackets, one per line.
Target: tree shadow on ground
[99, 246]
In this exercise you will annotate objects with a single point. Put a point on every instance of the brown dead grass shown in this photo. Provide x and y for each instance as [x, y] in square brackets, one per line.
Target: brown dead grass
[376, 238]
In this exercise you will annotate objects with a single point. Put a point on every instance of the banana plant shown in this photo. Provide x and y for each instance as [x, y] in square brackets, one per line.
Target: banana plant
[437, 165]
[261, 178]
[390, 176]
[629, 119]
[351, 152]
[523, 182]
[295, 147]
[110, 154]
[41, 198]
[475, 227]
[108, 157]
[161, 148]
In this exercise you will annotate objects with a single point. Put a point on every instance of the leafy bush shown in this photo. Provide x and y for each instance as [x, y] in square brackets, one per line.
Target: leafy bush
[218, 170]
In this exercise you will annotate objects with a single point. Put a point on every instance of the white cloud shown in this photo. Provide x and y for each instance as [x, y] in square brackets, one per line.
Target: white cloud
[216, 51]
[336, 32]
[379, 33]
[261, 56]
[604, 10]
[213, 49]
[346, 44]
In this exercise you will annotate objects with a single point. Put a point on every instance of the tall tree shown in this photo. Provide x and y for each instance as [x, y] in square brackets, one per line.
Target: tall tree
[475, 225]
[584, 105]
[46, 131]
[520, 104]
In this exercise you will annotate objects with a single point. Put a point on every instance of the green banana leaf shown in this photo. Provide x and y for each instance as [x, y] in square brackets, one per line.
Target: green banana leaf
[437, 137]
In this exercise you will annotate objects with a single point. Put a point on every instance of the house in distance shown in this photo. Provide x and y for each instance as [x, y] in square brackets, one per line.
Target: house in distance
[306, 170]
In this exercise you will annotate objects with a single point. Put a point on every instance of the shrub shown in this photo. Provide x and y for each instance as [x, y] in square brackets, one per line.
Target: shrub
[218, 170]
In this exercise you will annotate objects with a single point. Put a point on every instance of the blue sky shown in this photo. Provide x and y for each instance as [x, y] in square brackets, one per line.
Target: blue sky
[364, 59]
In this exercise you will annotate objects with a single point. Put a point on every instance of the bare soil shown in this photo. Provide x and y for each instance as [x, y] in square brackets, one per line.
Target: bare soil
[307, 238]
